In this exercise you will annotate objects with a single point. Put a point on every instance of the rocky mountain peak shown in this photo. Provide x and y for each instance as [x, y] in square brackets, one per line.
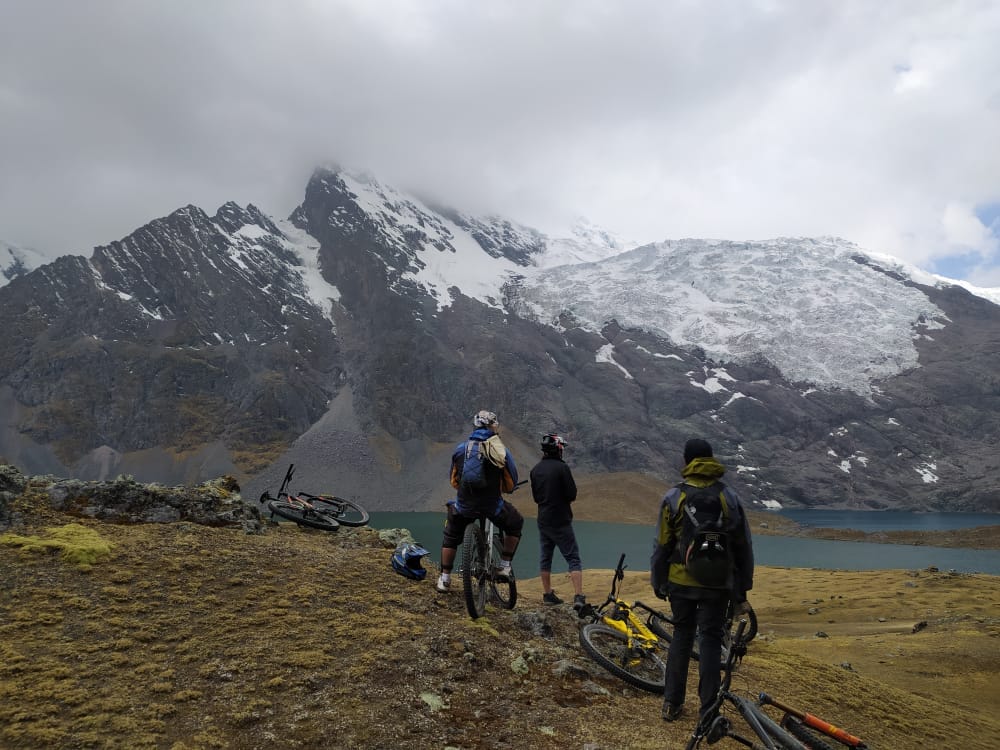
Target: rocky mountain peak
[357, 338]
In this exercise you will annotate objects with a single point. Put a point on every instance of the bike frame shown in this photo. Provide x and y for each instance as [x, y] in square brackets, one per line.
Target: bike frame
[713, 725]
[814, 722]
[622, 616]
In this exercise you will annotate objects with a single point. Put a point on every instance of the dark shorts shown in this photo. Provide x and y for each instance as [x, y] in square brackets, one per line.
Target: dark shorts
[563, 538]
[508, 518]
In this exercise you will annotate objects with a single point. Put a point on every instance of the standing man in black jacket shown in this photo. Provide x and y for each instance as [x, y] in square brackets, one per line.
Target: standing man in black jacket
[699, 589]
[553, 488]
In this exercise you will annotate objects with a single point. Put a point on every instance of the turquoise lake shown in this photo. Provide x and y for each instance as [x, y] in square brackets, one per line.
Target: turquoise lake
[602, 543]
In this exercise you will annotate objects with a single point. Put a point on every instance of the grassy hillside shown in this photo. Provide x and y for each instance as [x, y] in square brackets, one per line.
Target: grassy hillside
[183, 636]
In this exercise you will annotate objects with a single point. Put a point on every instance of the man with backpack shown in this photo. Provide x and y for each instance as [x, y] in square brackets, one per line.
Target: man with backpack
[553, 489]
[481, 468]
[702, 558]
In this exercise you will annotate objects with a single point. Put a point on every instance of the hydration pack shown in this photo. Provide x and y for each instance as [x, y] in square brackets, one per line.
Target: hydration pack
[474, 467]
[704, 538]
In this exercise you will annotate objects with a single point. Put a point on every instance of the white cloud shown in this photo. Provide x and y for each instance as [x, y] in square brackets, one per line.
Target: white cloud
[660, 120]
[962, 228]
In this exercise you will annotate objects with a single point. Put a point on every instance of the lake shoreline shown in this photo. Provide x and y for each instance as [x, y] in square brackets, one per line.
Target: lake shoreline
[978, 537]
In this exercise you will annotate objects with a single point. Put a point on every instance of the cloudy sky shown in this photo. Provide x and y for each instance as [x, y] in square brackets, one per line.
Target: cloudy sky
[658, 119]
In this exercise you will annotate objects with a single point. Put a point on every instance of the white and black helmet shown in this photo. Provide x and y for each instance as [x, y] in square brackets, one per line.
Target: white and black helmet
[485, 418]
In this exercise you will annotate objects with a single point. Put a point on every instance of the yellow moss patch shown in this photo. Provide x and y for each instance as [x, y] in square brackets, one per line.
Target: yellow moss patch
[76, 544]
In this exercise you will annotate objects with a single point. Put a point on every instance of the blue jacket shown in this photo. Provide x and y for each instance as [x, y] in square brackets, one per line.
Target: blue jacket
[498, 479]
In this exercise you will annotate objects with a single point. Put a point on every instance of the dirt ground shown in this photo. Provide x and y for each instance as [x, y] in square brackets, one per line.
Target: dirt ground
[181, 636]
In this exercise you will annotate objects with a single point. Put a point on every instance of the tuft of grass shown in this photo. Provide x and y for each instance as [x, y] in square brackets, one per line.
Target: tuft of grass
[77, 544]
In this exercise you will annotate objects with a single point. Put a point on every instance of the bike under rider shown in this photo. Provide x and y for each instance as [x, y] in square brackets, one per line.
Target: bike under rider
[469, 505]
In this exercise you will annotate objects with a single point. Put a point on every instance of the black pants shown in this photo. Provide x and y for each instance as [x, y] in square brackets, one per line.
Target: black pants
[508, 518]
[704, 611]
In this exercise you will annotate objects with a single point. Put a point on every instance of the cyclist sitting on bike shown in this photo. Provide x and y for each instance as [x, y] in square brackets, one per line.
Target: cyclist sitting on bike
[499, 475]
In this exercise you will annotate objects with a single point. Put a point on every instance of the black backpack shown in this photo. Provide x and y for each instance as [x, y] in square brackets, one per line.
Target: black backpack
[704, 536]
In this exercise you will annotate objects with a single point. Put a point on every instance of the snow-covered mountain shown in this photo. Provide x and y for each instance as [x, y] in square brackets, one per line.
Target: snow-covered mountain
[16, 261]
[803, 305]
[356, 337]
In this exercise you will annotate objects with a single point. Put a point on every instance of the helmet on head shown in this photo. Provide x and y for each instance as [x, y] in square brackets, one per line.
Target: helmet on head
[485, 418]
[406, 560]
[553, 445]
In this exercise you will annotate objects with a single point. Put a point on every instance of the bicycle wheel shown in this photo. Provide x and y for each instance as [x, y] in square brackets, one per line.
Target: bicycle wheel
[639, 667]
[474, 570]
[347, 512]
[664, 629]
[809, 737]
[301, 515]
[504, 591]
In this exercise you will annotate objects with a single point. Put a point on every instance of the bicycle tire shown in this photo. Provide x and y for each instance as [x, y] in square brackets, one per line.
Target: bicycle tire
[347, 512]
[811, 738]
[303, 516]
[474, 570]
[503, 592]
[609, 648]
[663, 628]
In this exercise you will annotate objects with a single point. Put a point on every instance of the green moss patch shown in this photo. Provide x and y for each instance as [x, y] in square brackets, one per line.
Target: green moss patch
[75, 544]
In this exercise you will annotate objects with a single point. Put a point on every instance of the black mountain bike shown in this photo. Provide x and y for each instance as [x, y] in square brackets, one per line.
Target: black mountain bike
[796, 730]
[482, 546]
[326, 512]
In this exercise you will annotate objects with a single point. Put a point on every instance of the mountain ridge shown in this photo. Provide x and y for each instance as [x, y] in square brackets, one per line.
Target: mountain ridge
[356, 337]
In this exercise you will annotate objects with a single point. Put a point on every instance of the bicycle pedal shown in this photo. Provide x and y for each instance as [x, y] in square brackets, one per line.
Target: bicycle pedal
[718, 729]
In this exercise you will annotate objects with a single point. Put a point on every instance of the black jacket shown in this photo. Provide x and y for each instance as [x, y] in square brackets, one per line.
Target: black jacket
[553, 488]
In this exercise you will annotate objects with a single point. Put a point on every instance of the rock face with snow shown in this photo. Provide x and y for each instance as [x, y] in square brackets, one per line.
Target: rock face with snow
[16, 261]
[357, 338]
[192, 331]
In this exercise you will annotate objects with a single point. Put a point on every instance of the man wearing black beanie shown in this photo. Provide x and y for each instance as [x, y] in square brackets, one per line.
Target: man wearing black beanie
[696, 448]
[698, 578]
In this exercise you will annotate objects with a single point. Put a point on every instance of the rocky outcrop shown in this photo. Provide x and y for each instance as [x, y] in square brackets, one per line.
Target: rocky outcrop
[123, 500]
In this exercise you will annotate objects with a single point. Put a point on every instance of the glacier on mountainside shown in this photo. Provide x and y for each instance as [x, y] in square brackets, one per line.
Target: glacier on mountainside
[802, 304]
[16, 260]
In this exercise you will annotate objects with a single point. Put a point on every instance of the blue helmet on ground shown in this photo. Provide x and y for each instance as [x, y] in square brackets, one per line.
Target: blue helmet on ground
[406, 560]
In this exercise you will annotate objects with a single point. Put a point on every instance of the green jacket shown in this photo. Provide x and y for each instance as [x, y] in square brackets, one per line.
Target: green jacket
[666, 571]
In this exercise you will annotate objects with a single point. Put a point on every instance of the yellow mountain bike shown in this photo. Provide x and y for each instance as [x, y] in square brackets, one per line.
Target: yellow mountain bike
[620, 640]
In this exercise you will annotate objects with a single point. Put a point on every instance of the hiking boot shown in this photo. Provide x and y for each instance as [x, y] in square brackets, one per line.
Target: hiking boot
[579, 600]
[671, 712]
[551, 598]
[443, 584]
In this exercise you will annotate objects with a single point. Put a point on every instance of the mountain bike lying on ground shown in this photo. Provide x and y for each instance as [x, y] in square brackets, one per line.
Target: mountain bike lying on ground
[620, 641]
[326, 512]
[663, 626]
[794, 732]
[807, 727]
[482, 546]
